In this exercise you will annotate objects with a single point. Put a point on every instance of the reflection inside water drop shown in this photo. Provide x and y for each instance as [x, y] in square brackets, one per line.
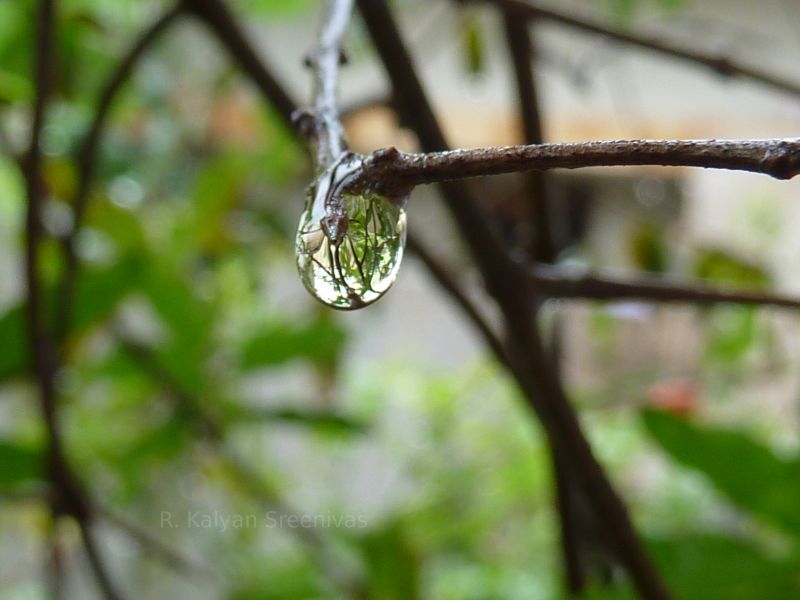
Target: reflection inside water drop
[349, 246]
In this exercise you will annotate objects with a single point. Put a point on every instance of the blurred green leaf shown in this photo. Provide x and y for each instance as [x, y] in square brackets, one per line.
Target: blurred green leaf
[746, 472]
[649, 249]
[474, 45]
[14, 349]
[275, 343]
[19, 465]
[722, 267]
[392, 569]
[705, 567]
[322, 421]
[732, 333]
[98, 291]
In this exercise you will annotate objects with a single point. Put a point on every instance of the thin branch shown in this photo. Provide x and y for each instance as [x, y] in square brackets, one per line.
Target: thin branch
[392, 169]
[720, 64]
[324, 128]
[553, 282]
[87, 155]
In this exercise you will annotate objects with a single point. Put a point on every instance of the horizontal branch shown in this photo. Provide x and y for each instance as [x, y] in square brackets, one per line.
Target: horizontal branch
[718, 63]
[392, 170]
[555, 283]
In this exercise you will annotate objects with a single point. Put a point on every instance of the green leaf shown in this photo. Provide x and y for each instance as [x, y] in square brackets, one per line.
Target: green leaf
[322, 421]
[747, 473]
[706, 567]
[392, 566]
[19, 465]
[649, 249]
[14, 349]
[99, 291]
[474, 45]
[277, 343]
[722, 267]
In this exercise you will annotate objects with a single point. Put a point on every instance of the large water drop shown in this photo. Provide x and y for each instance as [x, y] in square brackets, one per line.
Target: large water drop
[349, 245]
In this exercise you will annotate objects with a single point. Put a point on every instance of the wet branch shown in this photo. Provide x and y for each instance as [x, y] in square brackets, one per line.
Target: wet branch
[392, 169]
[720, 64]
[553, 282]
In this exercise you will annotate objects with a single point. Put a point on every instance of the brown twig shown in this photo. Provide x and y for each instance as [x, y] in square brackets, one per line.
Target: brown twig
[779, 158]
[718, 63]
[553, 282]
[86, 159]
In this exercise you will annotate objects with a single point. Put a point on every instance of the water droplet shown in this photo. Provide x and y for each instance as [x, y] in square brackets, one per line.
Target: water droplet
[349, 246]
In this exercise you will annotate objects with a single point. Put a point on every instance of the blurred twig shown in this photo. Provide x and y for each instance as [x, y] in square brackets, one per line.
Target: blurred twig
[720, 64]
[68, 496]
[553, 282]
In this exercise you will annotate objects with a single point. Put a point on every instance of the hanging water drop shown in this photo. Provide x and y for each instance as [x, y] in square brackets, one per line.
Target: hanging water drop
[349, 245]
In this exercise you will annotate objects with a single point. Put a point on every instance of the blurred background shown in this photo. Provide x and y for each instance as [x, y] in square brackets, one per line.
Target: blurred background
[243, 441]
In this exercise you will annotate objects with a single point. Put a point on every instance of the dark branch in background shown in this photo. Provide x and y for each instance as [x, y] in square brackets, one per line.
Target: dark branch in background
[521, 49]
[504, 281]
[779, 158]
[552, 282]
[542, 248]
[718, 63]
[87, 157]
[322, 125]
[68, 497]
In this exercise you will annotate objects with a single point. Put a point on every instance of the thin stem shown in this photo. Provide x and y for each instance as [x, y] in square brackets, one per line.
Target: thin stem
[553, 282]
[779, 158]
[327, 134]
[720, 64]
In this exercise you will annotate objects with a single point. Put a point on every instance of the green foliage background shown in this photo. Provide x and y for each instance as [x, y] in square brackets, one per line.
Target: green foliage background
[180, 315]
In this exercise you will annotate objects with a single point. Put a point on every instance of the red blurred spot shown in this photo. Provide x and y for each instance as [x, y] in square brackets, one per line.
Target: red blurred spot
[675, 396]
